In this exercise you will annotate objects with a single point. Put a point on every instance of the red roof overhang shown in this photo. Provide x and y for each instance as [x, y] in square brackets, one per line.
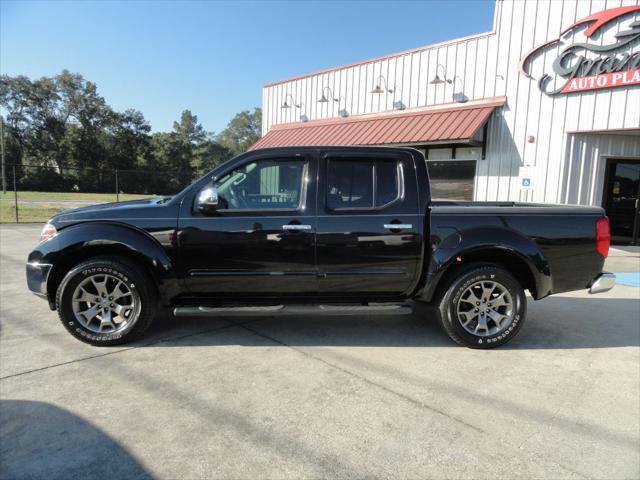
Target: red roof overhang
[450, 123]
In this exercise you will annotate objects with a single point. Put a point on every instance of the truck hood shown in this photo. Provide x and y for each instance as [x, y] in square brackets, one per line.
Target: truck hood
[112, 211]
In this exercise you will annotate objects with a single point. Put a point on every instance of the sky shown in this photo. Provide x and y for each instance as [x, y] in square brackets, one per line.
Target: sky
[213, 57]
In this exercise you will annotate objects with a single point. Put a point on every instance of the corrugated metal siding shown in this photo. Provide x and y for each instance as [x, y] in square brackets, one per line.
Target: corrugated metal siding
[486, 65]
[411, 73]
[589, 154]
[562, 173]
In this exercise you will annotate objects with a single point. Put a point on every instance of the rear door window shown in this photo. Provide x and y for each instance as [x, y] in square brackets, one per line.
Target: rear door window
[362, 183]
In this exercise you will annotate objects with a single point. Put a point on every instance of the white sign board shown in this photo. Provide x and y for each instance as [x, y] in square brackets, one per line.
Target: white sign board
[526, 178]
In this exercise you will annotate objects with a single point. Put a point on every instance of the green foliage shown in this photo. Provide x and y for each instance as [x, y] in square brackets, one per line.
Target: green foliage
[188, 129]
[63, 124]
[242, 131]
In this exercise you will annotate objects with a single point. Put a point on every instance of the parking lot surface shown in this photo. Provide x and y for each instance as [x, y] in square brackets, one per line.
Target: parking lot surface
[323, 396]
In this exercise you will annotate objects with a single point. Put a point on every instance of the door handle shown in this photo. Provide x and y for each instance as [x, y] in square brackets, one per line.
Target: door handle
[296, 227]
[398, 226]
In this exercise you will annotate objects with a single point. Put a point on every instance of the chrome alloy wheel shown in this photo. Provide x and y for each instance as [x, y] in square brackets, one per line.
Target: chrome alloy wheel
[103, 303]
[485, 308]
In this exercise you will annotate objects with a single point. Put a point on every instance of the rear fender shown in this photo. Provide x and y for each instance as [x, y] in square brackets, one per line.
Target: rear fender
[487, 244]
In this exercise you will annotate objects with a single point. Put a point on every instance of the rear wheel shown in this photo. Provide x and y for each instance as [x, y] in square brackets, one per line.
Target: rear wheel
[483, 307]
[105, 301]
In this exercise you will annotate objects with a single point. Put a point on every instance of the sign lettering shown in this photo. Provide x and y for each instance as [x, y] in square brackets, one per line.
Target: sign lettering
[591, 65]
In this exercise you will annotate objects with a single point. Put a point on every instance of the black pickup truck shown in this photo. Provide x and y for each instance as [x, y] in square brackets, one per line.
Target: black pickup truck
[315, 230]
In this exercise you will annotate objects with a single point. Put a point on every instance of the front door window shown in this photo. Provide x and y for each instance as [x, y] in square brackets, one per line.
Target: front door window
[264, 184]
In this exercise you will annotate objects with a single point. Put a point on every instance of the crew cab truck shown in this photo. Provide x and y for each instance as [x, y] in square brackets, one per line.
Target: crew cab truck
[315, 230]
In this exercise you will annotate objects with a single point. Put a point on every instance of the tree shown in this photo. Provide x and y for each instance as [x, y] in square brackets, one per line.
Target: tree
[42, 113]
[176, 154]
[170, 158]
[15, 98]
[188, 129]
[127, 139]
[209, 154]
[242, 131]
[70, 137]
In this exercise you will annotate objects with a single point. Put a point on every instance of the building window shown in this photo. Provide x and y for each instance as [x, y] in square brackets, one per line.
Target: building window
[452, 179]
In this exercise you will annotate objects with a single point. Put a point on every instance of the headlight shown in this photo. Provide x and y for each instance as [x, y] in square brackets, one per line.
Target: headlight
[48, 231]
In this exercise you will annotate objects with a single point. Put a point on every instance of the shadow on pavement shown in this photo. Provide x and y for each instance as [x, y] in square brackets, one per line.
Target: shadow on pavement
[552, 323]
[44, 441]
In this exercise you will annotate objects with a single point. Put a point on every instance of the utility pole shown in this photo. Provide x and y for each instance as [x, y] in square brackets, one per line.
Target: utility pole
[117, 187]
[4, 177]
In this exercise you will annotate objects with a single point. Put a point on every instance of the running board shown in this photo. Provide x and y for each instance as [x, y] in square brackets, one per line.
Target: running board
[375, 309]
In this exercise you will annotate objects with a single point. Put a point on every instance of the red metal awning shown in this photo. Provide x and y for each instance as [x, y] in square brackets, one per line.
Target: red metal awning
[444, 123]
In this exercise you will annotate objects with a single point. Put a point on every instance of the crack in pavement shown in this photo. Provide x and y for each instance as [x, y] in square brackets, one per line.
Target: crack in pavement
[306, 354]
[125, 349]
[391, 391]
[366, 380]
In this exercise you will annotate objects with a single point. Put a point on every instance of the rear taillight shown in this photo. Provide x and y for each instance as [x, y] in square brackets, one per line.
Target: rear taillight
[603, 236]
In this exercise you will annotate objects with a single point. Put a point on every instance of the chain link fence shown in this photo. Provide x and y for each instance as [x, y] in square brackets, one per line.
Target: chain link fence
[35, 193]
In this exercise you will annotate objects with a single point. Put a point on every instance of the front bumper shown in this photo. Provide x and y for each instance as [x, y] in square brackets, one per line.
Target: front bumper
[37, 276]
[603, 283]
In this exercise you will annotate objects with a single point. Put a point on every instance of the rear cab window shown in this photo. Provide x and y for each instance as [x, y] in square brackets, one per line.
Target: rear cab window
[362, 183]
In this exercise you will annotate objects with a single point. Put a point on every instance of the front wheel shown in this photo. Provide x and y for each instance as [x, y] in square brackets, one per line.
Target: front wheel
[484, 307]
[105, 301]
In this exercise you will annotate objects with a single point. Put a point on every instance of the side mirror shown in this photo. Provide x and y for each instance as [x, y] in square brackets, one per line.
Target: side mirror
[208, 199]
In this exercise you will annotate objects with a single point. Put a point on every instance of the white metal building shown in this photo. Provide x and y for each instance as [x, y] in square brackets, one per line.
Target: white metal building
[547, 104]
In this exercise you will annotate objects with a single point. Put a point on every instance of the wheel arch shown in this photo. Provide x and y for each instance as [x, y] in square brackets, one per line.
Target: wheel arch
[81, 242]
[501, 258]
[516, 254]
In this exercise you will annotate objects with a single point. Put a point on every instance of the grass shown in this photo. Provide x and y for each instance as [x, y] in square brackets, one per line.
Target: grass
[70, 196]
[28, 212]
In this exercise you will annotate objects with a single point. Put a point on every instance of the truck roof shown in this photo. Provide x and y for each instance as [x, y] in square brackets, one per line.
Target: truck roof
[342, 148]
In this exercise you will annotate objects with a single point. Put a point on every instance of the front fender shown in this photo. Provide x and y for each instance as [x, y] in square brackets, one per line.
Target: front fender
[80, 241]
[460, 246]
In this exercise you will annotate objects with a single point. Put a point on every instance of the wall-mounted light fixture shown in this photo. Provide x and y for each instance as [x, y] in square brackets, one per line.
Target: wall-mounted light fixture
[397, 104]
[303, 115]
[342, 111]
[437, 80]
[377, 89]
[326, 99]
[459, 97]
[285, 104]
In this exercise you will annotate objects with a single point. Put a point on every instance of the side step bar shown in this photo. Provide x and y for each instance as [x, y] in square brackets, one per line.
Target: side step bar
[374, 309]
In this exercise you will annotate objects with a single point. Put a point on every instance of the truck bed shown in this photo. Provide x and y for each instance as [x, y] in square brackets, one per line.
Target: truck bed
[512, 208]
[563, 236]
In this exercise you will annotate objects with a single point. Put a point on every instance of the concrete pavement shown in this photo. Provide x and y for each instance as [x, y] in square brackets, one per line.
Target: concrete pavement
[321, 397]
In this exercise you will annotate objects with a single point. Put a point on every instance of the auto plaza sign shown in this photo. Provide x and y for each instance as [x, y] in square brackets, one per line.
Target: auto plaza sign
[603, 60]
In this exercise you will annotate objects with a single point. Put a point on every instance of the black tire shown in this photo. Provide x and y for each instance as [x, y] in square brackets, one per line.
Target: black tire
[133, 278]
[449, 299]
